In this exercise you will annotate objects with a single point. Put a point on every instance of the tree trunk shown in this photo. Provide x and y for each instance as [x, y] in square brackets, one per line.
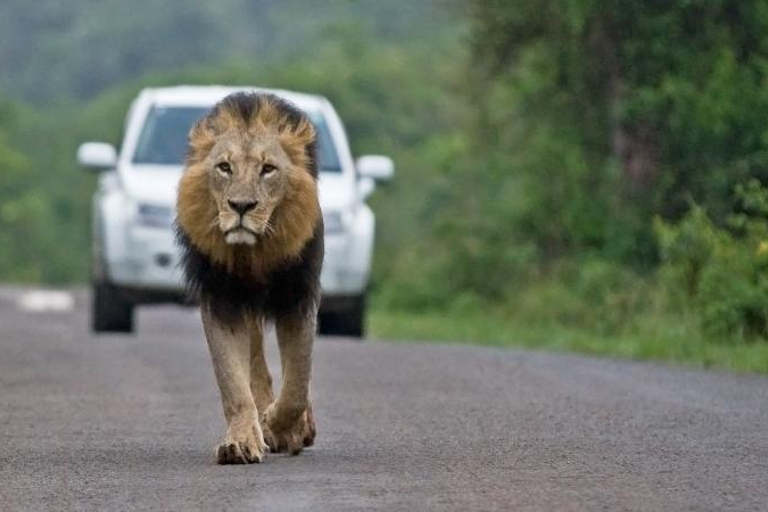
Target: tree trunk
[633, 144]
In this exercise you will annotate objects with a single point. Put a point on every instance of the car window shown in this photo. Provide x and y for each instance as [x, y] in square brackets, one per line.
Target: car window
[327, 159]
[163, 140]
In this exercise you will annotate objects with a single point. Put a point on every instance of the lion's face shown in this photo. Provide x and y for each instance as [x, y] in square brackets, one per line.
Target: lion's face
[248, 197]
[249, 179]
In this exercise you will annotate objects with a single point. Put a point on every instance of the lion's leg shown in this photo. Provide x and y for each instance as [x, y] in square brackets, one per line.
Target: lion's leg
[289, 419]
[261, 380]
[230, 351]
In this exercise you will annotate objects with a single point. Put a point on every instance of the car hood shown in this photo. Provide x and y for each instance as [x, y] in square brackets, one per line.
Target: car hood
[158, 185]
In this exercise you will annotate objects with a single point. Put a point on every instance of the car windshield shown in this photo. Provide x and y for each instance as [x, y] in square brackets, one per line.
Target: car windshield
[163, 139]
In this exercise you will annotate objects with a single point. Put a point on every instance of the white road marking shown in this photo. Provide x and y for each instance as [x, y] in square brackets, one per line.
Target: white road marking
[42, 301]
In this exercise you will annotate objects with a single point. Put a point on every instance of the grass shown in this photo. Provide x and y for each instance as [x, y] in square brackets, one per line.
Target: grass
[670, 339]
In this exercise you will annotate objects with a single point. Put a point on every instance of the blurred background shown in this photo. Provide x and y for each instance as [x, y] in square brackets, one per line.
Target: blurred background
[572, 174]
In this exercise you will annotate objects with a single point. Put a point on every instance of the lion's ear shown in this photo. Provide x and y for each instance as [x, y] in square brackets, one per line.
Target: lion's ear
[202, 138]
[301, 134]
[296, 138]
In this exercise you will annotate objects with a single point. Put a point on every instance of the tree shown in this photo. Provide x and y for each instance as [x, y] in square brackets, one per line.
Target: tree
[660, 102]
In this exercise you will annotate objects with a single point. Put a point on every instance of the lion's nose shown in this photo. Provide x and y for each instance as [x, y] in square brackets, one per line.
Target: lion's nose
[242, 206]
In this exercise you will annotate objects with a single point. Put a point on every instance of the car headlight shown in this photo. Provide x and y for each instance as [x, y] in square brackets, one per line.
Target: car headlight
[154, 216]
[333, 222]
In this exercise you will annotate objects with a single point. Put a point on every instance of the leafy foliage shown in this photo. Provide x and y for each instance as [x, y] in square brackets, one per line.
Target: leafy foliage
[83, 47]
[723, 271]
[643, 105]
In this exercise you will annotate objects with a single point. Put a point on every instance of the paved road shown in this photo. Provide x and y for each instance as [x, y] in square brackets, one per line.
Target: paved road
[116, 423]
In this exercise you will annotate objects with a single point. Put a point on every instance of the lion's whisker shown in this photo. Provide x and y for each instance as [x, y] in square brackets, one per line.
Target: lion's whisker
[269, 228]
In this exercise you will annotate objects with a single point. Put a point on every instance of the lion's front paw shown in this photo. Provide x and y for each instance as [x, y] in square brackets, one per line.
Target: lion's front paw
[289, 437]
[242, 447]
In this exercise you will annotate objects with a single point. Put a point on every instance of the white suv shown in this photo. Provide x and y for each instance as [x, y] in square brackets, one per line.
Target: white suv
[135, 259]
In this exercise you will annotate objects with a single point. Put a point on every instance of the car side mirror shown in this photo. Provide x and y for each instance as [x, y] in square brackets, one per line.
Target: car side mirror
[97, 156]
[376, 167]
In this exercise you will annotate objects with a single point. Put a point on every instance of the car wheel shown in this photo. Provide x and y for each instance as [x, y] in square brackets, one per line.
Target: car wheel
[345, 323]
[109, 311]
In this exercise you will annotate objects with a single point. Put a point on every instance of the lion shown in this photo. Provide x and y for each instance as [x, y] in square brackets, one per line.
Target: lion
[251, 232]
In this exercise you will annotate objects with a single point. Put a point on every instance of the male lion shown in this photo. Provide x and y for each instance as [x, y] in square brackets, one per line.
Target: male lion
[251, 232]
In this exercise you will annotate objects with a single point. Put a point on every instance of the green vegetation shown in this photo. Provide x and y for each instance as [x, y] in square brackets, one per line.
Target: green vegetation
[573, 175]
[669, 341]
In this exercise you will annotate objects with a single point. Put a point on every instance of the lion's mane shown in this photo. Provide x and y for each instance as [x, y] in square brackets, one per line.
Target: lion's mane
[280, 273]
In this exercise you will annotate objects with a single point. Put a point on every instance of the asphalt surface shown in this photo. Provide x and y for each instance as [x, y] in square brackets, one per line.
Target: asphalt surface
[129, 423]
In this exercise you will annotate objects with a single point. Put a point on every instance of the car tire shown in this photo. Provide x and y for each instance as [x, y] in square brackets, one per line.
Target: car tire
[110, 312]
[349, 323]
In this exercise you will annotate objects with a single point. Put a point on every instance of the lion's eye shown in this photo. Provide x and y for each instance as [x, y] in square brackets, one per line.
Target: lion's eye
[268, 169]
[224, 167]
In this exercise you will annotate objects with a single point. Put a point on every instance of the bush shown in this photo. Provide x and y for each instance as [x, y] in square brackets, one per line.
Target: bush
[592, 294]
[733, 296]
[686, 248]
[719, 273]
